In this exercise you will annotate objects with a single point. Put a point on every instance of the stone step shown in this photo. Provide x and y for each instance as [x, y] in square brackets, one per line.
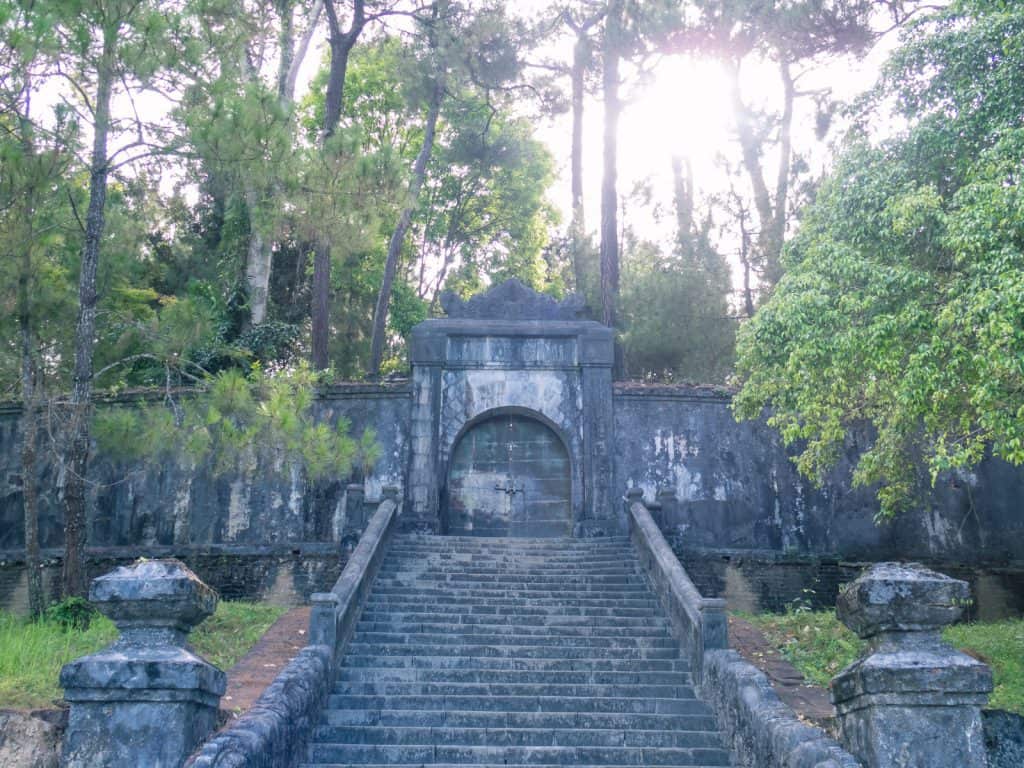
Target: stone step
[523, 598]
[484, 675]
[487, 719]
[514, 651]
[475, 638]
[515, 737]
[488, 567]
[509, 543]
[476, 765]
[428, 617]
[620, 704]
[448, 661]
[455, 580]
[510, 589]
[507, 628]
[518, 690]
[502, 652]
[406, 754]
[513, 608]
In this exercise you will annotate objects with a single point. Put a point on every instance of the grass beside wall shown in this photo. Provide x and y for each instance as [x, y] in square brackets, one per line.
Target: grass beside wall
[32, 652]
[817, 644]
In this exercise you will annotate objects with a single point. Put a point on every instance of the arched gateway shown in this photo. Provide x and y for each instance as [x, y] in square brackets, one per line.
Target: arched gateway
[509, 475]
[511, 419]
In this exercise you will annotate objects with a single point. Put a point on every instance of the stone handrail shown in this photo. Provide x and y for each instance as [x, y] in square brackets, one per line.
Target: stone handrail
[274, 733]
[699, 621]
[758, 727]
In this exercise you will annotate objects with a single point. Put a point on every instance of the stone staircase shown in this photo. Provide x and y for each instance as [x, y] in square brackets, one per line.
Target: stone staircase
[496, 652]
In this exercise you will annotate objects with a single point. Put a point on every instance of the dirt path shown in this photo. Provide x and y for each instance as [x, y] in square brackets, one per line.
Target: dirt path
[255, 671]
[808, 700]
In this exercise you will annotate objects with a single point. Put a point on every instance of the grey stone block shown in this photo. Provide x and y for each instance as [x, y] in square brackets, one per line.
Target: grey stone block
[912, 701]
[148, 699]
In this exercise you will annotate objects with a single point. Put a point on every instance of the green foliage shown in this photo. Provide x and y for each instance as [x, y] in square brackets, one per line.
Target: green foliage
[71, 613]
[234, 418]
[33, 651]
[815, 642]
[675, 315]
[1000, 645]
[903, 301]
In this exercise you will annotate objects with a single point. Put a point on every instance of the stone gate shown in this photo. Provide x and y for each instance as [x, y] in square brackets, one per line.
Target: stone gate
[499, 443]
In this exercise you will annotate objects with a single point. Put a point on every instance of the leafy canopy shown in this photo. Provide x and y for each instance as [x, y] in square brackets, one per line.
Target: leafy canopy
[902, 305]
[235, 416]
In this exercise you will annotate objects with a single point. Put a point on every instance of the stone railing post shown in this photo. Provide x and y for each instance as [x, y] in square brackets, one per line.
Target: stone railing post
[911, 701]
[147, 700]
[669, 508]
[355, 513]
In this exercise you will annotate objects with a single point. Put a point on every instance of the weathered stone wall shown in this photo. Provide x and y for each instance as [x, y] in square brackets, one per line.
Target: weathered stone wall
[737, 491]
[266, 534]
[747, 525]
[132, 504]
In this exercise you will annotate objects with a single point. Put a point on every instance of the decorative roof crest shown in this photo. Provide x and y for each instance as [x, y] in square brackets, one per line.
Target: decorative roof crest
[511, 300]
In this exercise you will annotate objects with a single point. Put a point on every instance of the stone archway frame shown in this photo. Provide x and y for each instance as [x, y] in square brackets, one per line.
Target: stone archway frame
[466, 366]
[575, 466]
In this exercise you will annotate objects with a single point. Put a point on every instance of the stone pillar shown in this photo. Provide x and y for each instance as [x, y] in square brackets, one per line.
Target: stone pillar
[911, 701]
[669, 508]
[596, 358]
[147, 700]
[355, 513]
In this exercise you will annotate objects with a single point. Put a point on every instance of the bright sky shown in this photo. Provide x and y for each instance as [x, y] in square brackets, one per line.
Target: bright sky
[683, 110]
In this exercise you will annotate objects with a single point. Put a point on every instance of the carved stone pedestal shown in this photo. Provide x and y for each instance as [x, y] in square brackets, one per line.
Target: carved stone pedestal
[912, 701]
[147, 700]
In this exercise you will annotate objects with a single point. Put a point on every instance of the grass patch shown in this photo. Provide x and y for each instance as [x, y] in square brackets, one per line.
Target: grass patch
[819, 645]
[227, 636]
[32, 652]
[815, 642]
[1001, 646]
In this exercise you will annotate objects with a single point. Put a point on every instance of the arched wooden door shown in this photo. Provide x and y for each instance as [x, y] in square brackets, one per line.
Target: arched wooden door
[510, 476]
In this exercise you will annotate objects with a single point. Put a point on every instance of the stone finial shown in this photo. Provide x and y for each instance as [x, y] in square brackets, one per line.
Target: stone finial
[912, 701]
[897, 597]
[148, 699]
[152, 595]
[635, 494]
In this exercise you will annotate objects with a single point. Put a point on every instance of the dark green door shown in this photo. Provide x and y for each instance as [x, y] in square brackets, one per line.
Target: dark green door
[510, 476]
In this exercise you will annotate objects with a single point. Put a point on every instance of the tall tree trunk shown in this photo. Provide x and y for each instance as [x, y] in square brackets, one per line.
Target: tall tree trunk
[288, 78]
[419, 173]
[74, 571]
[609, 186]
[748, 294]
[773, 264]
[683, 188]
[771, 209]
[581, 56]
[29, 473]
[29, 422]
[258, 259]
[341, 47]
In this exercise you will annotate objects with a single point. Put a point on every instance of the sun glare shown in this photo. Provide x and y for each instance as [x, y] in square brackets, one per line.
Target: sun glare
[684, 112]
